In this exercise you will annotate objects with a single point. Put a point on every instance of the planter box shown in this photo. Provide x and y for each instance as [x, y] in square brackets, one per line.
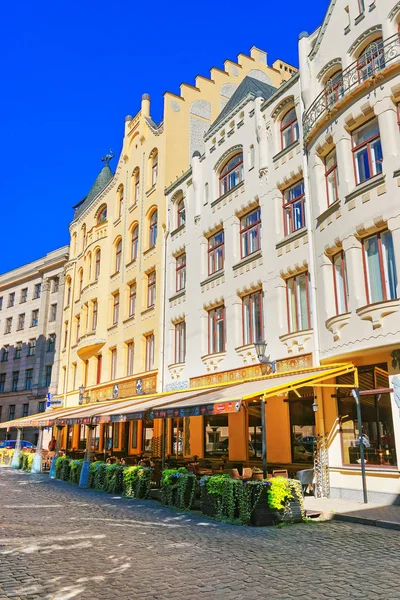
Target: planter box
[264, 516]
[208, 504]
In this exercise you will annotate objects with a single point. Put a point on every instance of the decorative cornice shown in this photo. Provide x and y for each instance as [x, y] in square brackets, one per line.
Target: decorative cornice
[365, 35]
[282, 105]
[394, 11]
[332, 63]
[225, 155]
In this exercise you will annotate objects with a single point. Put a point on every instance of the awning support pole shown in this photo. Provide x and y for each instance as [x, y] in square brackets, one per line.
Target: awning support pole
[17, 452]
[52, 473]
[264, 437]
[163, 444]
[37, 459]
[84, 478]
[356, 395]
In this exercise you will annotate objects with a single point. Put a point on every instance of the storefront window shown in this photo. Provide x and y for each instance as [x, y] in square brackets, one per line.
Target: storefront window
[302, 427]
[115, 438]
[376, 416]
[176, 437]
[70, 432]
[255, 430]
[216, 435]
[96, 438]
[148, 435]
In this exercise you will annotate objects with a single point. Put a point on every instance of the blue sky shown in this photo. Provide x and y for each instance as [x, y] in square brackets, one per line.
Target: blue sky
[72, 71]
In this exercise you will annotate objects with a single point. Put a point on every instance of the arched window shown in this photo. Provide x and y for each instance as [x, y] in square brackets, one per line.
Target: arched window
[371, 60]
[135, 242]
[80, 288]
[97, 267]
[118, 254]
[74, 244]
[181, 213]
[289, 128]
[153, 229]
[120, 201]
[136, 183]
[68, 294]
[334, 88]
[83, 237]
[102, 215]
[231, 174]
[154, 169]
[89, 266]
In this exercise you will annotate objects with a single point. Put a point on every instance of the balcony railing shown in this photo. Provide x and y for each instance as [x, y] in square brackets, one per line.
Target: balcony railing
[379, 57]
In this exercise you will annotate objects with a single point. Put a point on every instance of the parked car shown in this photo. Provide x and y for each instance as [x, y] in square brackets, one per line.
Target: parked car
[300, 454]
[10, 444]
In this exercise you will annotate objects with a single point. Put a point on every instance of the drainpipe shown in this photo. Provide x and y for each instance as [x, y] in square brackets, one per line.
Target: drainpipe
[303, 45]
[163, 311]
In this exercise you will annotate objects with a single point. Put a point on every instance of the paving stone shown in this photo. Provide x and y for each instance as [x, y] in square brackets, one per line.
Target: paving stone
[86, 545]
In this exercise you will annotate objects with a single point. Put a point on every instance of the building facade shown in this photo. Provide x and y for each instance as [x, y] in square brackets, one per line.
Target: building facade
[113, 332]
[31, 300]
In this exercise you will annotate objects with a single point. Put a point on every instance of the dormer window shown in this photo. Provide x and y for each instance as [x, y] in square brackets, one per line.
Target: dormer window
[231, 174]
[102, 216]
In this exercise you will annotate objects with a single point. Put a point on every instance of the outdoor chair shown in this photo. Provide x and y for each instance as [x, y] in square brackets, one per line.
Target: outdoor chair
[247, 473]
[305, 477]
[280, 473]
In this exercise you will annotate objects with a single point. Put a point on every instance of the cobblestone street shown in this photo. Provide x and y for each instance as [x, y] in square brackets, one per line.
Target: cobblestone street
[58, 542]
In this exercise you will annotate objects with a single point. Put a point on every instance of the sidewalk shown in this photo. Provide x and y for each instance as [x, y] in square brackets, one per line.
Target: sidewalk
[378, 515]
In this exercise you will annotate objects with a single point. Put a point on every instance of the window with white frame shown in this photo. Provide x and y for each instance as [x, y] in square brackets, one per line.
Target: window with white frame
[340, 283]
[94, 314]
[154, 169]
[118, 254]
[252, 317]
[153, 229]
[35, 318]
[120, 201]
[8, 326]
[115, 308]
[371, 60]
[293, 208]
[298, 303]
[97, 264]
[136, 184]
[113, 363]
[216, 330]
[331, 177]
[334, 88]
[180, 342]
[53, 312]
[181, 214]
[130, 351]
[180, 272]
[32, 347]
[367, 151]
[51, 342]
[132, 299]
[151, 289]
[134, 242]
[380, 268]
[216, 252]
[21, 321]
[149, 352]
[250, 232]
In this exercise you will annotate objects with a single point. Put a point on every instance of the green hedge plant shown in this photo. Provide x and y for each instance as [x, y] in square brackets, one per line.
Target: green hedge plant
[137, 481]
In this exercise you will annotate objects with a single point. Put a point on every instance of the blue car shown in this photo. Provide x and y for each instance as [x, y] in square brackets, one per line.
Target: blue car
[10, 444]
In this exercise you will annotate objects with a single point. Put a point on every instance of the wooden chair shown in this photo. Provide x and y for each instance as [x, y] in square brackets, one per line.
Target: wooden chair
[280, 473]
[247, 473]
[234, 473]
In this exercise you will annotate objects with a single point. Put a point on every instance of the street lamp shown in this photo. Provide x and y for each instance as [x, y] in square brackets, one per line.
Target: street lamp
[261, 348]
[315, 406]
[81, 396]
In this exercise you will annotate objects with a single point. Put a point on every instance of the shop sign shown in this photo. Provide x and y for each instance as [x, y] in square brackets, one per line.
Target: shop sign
[195, 411]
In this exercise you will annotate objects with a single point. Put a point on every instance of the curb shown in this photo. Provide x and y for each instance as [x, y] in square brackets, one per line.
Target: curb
[364, 521]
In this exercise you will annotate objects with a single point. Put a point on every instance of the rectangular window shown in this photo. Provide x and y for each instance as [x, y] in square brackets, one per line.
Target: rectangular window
[47, 379]
[216, 252]
[65, 334]
[216, 435]
[24, 295]
[380, 268]
[51, 342]
[11, 412]
[53, 312]
[18, 350]
[115, 308]
[31, 347]
[37, 290]
[94, 315]
[15, 377]
[2, 382]
[216, 330]
[129, 356]
[340, 283]
[97, 267]
[41, 406]
[99, 365]
[21, 321]
[151, 289]
[299, 317]
[28, 379]
[4, 354]
[331, 178]
[150, 352]
[11, 299]
[134, 426]
[1, 302]
[8, 325]
[132, 299]
[294, 217]
[367, 151]
[180, 342]
[25, 410]
[252, 318]
[113, 363]
[35, 318]
[55, 285]
[180, 272]
[250, 232]
[78, 328]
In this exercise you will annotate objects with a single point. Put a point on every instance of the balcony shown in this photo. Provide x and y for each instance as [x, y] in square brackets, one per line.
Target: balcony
[357, 77]
[89, 345]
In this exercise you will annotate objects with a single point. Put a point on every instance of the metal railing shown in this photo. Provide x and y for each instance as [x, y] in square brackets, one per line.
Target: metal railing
[379, 56]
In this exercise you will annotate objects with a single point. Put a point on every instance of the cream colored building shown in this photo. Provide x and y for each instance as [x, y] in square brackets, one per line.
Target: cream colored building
[31, 299]
[112, 338]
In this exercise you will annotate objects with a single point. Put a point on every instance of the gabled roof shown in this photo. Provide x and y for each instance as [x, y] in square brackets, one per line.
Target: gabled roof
[100, 183]
[322, 29]
[248, 87]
